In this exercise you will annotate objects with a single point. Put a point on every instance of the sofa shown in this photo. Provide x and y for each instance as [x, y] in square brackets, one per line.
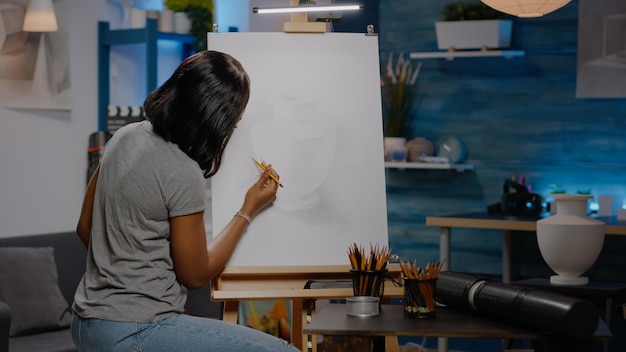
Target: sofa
[38, 277]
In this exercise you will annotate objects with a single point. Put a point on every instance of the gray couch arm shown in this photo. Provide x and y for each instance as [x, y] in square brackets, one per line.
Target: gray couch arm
[5, 324]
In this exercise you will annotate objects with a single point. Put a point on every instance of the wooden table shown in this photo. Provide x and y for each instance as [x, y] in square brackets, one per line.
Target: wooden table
[356, 334]
[499, 222]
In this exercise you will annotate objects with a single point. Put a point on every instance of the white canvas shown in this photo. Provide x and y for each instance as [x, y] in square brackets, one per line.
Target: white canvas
[315, 115]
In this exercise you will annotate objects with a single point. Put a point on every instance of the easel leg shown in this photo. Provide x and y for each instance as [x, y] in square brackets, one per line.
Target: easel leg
[231, 311]
[298, 319]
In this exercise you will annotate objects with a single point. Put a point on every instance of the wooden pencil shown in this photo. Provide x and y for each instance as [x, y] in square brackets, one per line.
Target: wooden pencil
[263, 168]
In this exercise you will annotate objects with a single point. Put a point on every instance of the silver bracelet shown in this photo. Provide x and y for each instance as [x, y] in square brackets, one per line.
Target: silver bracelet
[243, 215]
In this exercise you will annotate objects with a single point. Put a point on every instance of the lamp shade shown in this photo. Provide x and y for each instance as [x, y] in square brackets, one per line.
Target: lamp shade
[526, 8]
[40, 17]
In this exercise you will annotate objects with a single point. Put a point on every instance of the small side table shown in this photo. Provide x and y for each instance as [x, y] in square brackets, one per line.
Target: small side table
[346, 333]
[607, 296]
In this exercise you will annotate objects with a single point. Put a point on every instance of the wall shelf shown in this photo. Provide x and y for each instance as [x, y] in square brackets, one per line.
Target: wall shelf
[451, 55]
[148, 36]
[428, 166]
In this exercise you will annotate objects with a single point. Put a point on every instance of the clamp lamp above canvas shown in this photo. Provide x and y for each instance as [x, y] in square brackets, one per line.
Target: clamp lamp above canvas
[307, 17]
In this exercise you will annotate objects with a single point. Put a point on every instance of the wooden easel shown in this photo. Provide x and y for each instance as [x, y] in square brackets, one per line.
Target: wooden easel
[300, 24]
[248, 283]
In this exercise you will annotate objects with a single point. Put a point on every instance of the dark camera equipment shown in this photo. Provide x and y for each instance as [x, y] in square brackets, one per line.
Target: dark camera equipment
[517, 201]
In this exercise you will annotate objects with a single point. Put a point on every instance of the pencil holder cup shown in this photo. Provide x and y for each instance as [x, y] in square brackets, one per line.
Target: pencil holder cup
[419, 298]
[368, 282]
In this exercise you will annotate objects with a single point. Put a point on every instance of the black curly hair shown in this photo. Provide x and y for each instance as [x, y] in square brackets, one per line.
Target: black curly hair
[199, 106]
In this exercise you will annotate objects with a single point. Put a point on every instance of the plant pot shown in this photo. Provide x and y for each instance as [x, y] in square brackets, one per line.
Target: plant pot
[166, 21]
[182, 23]
[570, 241]
[138, 18]
[477, 34]
[395, 148]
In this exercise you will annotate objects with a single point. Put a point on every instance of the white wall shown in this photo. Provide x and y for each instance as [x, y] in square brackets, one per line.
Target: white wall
[43, 154]
[227, 15]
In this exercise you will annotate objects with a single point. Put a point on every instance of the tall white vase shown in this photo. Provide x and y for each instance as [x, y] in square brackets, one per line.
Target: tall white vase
[570, 241]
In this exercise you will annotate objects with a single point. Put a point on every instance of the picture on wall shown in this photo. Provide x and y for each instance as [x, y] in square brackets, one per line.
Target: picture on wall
[601, 49]
[34, 62]
[315, 115]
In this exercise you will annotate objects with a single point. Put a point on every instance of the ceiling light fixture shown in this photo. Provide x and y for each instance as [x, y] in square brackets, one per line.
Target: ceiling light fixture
[526, 8]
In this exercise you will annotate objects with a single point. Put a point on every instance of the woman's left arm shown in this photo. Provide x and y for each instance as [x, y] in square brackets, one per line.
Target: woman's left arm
[83, 229]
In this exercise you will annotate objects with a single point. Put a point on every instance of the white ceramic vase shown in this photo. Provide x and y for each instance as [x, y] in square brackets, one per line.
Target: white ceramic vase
[395, 148]
[570, 241]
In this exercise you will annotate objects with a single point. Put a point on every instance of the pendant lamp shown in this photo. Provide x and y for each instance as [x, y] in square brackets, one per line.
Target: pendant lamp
[526, 8]
[40, 17]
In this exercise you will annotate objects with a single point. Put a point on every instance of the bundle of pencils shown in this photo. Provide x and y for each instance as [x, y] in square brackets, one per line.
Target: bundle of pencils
[376, 260]
[369, 269]
[412, 271]
[419, 287]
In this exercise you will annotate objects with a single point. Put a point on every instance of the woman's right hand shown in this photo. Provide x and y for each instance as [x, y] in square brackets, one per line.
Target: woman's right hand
[262, 193]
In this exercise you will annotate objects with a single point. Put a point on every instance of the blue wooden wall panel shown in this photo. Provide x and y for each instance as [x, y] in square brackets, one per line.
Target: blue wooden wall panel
[517, 117]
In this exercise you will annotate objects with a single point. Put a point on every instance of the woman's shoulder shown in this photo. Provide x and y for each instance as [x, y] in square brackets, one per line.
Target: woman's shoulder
[133, 127]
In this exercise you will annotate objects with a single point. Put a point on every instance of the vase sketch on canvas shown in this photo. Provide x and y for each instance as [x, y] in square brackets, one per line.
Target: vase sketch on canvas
[301, 143]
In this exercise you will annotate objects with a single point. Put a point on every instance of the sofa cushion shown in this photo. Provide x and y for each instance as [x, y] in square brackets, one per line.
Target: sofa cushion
[53, 341]
[30, 287]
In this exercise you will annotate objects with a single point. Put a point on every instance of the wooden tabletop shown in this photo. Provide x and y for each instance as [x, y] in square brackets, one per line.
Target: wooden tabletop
[333, 320]
[483, 220]
[592, 289]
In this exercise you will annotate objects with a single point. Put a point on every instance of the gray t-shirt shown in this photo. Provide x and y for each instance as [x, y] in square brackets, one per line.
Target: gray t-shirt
[143, 182]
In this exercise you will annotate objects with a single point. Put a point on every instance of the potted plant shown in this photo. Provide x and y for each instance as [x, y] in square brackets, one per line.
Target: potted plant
[398, 84]
[473, 25]
[200, 16]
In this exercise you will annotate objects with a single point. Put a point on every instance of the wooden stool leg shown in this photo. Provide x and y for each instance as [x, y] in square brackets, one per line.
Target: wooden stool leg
[391, 344]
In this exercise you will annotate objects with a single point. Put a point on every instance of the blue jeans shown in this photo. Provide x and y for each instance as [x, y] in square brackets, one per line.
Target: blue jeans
[177, 333]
